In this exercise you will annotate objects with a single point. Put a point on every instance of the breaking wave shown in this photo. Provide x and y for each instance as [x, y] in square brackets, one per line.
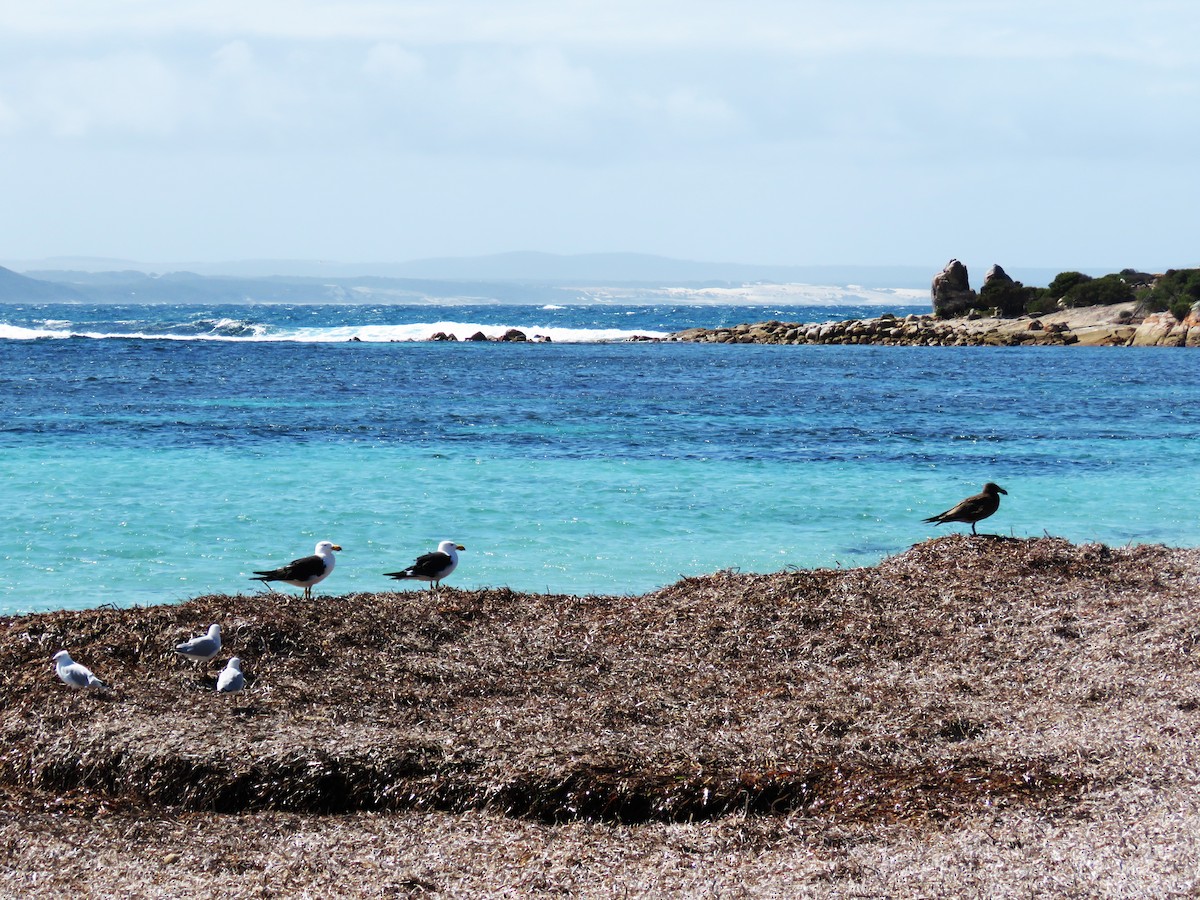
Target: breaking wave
[241, 330]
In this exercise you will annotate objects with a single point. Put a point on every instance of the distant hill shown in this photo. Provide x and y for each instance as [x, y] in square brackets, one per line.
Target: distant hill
[15, 288]
[589, 269]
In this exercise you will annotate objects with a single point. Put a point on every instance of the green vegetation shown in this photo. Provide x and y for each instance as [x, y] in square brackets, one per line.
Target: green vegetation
[1178, 290]
[1010, 298]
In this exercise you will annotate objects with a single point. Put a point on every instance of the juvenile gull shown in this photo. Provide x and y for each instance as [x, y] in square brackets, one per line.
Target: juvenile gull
[305, 572]
[73, 673]
[432, 567]
[203, 648]
[974, 508]
[231, 680]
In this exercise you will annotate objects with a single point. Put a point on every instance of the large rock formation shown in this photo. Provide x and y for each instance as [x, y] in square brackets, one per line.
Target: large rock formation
[996, 275]
[952, 294]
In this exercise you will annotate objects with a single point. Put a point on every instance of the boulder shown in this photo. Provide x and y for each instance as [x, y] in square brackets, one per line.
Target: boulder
[478, 336]
[1153, 330]
[514, 334]
[997, 275]
[951, 291]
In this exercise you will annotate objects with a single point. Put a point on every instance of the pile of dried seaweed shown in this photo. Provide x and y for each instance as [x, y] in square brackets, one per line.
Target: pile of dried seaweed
[964, 673]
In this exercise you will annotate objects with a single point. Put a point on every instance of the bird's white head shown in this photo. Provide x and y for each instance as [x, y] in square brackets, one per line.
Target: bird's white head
[214, 631]
[324, 548]
[62, 658]
[235, 663]
[448, 547]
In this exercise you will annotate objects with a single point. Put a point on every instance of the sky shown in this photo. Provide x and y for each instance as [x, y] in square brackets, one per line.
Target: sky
[1047, 133]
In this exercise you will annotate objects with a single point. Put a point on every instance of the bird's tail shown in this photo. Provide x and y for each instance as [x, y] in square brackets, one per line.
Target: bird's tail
[936, 520]
[407, 573]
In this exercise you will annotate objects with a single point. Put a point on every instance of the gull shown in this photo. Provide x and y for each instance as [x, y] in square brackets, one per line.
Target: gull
[974, 508]
[432, 567]
[203, 648]
[74, 674]
[306, 572]
[231, 680]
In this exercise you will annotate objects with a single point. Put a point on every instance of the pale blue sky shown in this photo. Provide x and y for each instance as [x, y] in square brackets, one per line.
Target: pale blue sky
[1024, 132]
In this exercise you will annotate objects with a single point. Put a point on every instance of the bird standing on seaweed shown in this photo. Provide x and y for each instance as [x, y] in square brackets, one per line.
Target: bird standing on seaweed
[203, 648]
[432, 567]
[231, 680]
[74, 674]
[974, 508]
[306, 572]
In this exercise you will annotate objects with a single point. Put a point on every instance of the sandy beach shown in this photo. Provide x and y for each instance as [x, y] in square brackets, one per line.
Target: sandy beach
[974, 717]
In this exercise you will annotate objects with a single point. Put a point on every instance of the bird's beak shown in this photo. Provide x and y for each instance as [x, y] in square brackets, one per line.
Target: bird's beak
[1002, 490]
[459, 547]
[337, 547]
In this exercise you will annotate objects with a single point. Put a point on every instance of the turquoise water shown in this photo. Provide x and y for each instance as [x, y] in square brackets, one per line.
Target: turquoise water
[141, 471]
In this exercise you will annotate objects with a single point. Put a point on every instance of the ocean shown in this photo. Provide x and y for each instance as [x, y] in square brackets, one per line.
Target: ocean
[149, 454]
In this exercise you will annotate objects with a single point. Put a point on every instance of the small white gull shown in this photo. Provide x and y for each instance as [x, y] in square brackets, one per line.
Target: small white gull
[74, 674]
[231, 680]
[203, 648]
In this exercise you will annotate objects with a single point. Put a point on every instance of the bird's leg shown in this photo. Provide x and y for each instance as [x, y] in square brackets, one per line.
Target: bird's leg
[973, 531]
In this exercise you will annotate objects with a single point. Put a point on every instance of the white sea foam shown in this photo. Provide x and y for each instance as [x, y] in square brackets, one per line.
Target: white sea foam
[422, 331]
[416, 331]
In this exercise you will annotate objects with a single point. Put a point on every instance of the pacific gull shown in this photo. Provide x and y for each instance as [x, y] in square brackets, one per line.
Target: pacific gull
[305, 572]
[203, 648]
[974, 508]
[231, 680]
[432, 567]
[74, 674]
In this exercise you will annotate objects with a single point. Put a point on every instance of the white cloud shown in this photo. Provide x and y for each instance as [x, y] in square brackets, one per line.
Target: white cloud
[392, 62]
[234, 59]
[648, 112]
[133, 93]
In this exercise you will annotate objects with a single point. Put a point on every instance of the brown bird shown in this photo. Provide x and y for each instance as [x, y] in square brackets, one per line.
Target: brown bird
[974, 508]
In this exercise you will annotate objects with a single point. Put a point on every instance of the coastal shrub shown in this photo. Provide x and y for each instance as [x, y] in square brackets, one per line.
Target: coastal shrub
[1180, 309]
[1176, 289]
[1065, 281]
[1041, 302]
[1136, 279]
[1106, 291]
[1008, 298]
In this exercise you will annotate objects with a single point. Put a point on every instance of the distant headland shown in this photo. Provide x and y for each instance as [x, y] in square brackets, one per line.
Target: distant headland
[1128, 308]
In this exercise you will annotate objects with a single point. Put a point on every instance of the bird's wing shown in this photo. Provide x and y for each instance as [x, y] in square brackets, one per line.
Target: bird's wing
[430, 563]
[305, 567]
[426, 566]
[199, 645]
[77, 675]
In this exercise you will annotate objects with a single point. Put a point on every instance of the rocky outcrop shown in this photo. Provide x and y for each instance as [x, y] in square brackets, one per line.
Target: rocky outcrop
[952, 294]
[927, 331]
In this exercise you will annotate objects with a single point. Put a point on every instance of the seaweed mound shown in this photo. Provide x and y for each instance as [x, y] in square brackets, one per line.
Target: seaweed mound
[964, 673]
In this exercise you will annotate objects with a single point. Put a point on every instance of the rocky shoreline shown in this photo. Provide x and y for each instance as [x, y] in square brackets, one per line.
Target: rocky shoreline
[1097, 326]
